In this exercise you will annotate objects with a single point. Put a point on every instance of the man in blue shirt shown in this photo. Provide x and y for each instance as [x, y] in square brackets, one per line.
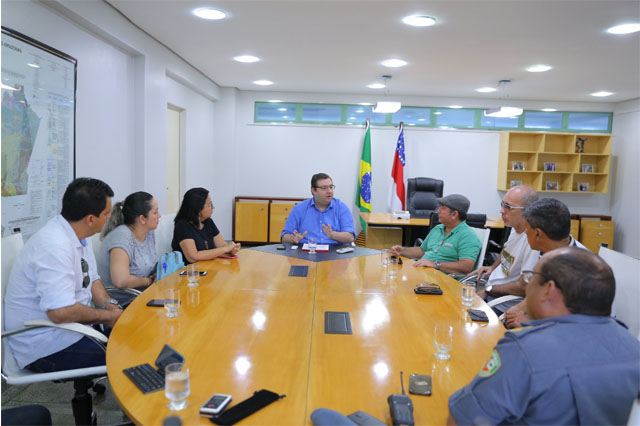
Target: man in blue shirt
[573, 364]
[323, 217]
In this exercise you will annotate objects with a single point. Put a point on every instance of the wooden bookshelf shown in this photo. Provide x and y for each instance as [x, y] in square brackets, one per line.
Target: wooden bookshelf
[555, 162]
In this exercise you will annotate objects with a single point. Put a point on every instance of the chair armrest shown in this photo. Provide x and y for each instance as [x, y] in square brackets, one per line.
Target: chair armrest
[502, 299]
[130, 291]
[71, 326]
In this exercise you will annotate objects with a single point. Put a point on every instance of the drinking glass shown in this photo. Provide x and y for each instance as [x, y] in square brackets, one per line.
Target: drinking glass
[312, 243]
[393, 266]
[443, 340]
[468, 293]
[171, 301]
[176, 385]
[385, 254]
[193, 274]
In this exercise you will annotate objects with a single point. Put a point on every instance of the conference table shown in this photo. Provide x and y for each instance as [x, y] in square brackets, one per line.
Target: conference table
[250, 326]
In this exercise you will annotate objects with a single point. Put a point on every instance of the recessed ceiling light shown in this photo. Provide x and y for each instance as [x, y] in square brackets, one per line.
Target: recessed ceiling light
[365, 103]
[274, 100]
[209, 13]
[419, 20]
[282, 109]
[486, 89]
[455, 106]
[375, 86]
[624, 29]
[34, 65]
[538, 68]
[394, 63]
[549, 109]
[247, 59]
[602, 94]
[263, 82]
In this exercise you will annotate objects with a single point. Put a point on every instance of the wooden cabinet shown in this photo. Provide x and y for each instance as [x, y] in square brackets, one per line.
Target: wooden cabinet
[261, 219]
[251, 220]
[555, 162]
[278, 214]
[593, 233]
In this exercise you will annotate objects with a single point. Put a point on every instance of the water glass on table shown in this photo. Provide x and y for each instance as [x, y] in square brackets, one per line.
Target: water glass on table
[171, 301]
[193, 274]
[385, 254]
[468, 293]
[393, 266]
[176, 385]
[312, 243]
[443, 340]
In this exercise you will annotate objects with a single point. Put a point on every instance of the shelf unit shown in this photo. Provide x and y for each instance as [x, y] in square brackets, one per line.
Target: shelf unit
[260, 219]
[549, 162]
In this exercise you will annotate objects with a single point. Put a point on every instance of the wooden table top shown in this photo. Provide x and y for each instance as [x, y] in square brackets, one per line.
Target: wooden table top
[387, 219]
[250, 326]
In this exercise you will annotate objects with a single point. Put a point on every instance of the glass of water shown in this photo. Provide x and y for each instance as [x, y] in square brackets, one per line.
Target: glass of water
[193, 274]
[176, 385]
[385, 254]
[443, 340]
[393, 266]
[468, 293]
[313, 244]
[171, 301]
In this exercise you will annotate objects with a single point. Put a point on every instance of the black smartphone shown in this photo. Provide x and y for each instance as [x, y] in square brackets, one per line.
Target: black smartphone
[156, 303]
[202, 273]
[281, 247]
[167, 356]
[420, 384]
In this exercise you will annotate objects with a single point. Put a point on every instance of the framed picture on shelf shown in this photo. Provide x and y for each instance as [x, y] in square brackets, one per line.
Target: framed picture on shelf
[515, 183]
[517, 165]
[549, 167]
[552, 185]
[587, 168]
[583, 186]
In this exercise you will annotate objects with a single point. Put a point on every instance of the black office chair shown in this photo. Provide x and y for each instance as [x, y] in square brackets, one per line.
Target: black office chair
[476, 220]
[421, 201]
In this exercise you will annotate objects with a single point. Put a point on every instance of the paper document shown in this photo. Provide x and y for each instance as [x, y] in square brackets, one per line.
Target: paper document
[319, 247]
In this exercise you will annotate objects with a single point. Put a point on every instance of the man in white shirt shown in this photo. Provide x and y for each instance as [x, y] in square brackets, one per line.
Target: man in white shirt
[55, 277]
[517, 255]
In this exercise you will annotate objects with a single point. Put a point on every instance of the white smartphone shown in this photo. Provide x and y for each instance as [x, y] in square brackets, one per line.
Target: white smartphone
[345, 250]
[215, 405]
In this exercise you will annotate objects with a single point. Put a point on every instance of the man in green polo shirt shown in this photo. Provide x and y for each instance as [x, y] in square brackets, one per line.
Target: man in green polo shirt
[451, 246]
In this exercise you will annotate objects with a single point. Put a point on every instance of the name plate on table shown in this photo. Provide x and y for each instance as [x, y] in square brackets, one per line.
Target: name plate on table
[402, 214]
[319, 247]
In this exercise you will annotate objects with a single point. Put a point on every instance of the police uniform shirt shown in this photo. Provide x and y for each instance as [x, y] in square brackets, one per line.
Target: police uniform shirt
[574, 369]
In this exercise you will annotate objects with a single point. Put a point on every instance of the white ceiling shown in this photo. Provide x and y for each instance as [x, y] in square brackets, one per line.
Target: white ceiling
[327, 46]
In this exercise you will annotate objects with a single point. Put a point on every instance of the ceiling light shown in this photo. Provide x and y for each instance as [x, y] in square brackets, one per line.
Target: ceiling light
[352, 118]
[486, 89]
[246, 59]
[274, 100]
[437, 113]
[549, 109]
[375, 86]
[602, 94]
[419, 20]
[422, 119]
[624, 29]
[359, 111]
[538, 68]
[209, 13]
[394, 63]
[285, 116]
[503, 112]
[34, 65]
[263, 82]
[387, 107]
[365, 103]
[6, 87]
[455, 106]
[282, 109]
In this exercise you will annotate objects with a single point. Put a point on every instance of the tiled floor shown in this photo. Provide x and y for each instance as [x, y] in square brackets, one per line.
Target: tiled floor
[57, 398]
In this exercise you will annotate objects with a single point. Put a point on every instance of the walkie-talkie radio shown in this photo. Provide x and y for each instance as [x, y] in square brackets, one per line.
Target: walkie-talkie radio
[401, 408]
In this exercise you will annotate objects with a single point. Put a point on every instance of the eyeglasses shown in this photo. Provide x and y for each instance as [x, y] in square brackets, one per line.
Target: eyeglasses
[527, 277]
[509, 206]
[325, 187]
[86, 279]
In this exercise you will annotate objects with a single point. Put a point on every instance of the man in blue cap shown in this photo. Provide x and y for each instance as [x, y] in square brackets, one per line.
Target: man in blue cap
[573, 364]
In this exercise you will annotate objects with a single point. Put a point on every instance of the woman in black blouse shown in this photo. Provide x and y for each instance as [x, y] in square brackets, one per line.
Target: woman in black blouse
[194, 233]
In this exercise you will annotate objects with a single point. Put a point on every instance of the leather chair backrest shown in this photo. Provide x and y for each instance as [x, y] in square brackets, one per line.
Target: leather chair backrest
[476, 220]
[421, 195]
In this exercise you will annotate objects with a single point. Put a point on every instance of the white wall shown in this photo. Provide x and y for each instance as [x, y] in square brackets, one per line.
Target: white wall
[625, 177]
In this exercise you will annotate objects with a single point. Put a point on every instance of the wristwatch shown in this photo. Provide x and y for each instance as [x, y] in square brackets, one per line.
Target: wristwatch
[438, 264]
[111, 301]
[488, 289]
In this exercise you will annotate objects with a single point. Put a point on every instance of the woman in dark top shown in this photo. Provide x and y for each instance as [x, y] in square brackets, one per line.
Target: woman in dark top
[194, 233]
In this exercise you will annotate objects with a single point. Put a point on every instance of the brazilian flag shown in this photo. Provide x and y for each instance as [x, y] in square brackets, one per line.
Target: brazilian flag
[363, 192]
